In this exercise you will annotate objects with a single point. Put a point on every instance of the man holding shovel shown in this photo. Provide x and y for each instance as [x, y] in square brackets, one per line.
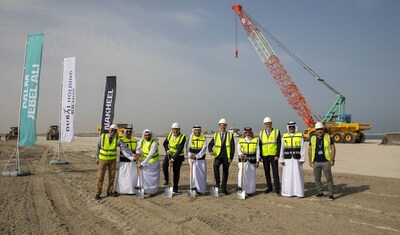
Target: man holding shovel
[150, 162]
[174, 147]
[249, 154]
[222, 149]
[196, 152]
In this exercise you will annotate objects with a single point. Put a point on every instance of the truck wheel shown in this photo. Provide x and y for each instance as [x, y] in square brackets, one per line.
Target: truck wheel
[338, 137]
[349, 138]
[362, 138]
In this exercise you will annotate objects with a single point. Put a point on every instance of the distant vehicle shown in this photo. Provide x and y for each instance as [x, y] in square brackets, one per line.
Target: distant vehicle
[235, 132]
[121, 128]
[12, 134]
[53, 133]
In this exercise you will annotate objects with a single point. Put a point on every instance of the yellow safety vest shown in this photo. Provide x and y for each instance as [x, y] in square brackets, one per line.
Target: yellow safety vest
[130, 143]
[218, 144]
[249, 149]
[292, 145]
[269, 144]
[174, 143]
[327, 147]
[197, 143]
[108, 151]
[146, 149]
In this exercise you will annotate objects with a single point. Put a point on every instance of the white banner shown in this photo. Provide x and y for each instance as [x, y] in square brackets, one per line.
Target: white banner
[68, 99]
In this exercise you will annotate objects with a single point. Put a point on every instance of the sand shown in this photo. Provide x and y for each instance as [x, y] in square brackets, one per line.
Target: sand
[59, 199]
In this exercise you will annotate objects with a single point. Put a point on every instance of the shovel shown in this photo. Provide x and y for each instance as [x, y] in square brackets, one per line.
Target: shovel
[213, 189]
[241, 194]
[169, 189]
[139, 189]
[191, 192]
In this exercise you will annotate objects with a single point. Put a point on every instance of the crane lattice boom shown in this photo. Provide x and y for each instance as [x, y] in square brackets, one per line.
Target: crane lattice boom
[278, 72]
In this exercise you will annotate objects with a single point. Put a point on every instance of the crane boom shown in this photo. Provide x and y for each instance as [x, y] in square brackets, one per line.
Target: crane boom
[273, 64]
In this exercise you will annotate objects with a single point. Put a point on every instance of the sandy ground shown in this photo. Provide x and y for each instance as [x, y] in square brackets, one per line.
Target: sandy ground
[59, 199]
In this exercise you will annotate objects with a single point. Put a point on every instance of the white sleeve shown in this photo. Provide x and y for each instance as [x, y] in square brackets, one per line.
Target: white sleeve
[126, 151]
[281, 159]
[151, 153]
[258, 151]
[239, 150]
[203, 150]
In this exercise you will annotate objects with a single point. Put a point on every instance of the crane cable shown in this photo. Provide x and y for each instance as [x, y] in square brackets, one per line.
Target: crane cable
[236, 37]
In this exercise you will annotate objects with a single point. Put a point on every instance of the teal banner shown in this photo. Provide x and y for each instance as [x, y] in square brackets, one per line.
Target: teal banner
[30, 90]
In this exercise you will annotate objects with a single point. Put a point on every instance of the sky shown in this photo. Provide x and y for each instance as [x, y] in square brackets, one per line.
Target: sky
[174, 60]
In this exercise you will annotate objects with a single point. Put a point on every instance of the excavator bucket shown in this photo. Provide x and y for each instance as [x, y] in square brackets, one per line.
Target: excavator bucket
[391, 138]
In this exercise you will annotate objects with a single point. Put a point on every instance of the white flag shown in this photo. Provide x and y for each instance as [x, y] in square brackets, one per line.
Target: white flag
[68, 99]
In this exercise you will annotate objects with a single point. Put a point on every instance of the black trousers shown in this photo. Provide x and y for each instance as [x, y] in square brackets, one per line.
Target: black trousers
[267, 162]
[225, 171]
[176, 169]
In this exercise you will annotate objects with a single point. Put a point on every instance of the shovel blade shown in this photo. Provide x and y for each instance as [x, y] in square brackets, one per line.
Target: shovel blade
[168, 191]
[191, 193]
[214, 191]
[241, 195]
[140, 193]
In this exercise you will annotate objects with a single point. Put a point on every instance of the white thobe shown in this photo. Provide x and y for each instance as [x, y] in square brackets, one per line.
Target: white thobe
[249, 174]
[149, 178]
[199, 169]
[127, 178]
[292, 173]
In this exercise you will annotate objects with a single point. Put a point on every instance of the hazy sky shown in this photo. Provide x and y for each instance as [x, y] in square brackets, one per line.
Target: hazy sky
[174, 60]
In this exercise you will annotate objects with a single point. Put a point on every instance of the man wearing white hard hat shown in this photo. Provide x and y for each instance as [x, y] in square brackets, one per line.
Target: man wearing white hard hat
[222, 149]
[292, 159]
[270, 145]
[196, 148]
[106, 154]
[321, 154]
[174, 146]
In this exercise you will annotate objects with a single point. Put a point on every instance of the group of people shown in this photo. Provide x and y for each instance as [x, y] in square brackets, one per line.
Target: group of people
[139, 166]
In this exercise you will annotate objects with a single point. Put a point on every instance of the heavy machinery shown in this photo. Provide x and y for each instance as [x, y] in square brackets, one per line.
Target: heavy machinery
[336, 121]
[53, 133]
[121, 128]
[12, 134]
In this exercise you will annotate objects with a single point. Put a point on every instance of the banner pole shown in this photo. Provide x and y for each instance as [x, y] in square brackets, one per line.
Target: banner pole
[16, 151]
[56, 158]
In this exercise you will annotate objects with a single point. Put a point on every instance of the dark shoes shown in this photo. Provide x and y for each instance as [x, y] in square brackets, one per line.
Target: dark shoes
[278, 193]
[112, 194]
[319, 195]
[97, 197]
[267, 191]
[226, 193]
[331, 198]
[239, 189]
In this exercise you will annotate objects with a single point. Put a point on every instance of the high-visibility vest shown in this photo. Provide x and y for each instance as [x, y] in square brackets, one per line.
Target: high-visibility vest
[327, 147]
[146, 149]
[269, 144]
[174, 143]
[292, 145]
[197, 143]
[249, 149]
[130, 143]
[108, 151]
[218, 144]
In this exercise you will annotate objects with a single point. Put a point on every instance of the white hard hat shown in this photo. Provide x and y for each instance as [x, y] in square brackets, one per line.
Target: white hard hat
[222, 121]
[319, 125]
[114, 126]
[267, 119]
[175, 125]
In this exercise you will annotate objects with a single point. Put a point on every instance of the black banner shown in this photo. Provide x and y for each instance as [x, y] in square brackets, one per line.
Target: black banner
[110, 94]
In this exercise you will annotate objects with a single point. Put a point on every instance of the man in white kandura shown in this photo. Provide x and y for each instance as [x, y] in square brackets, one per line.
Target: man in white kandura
[196, 152]
[292, 159]
[150, 162]
[249, 152]
[127, 171]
